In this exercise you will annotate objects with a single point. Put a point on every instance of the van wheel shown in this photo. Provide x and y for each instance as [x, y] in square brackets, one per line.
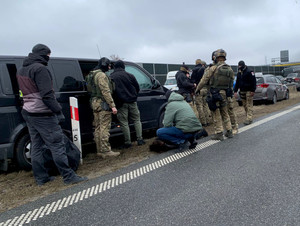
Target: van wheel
[161, 118]
[23, 152]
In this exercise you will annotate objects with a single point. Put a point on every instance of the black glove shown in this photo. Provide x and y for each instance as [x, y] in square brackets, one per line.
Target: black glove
[60, 117]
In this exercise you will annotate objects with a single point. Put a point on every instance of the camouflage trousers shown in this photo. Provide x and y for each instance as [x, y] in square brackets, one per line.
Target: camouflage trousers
[221, 116]
[193, 106]
[130, 111]
[247, 101]
[204, 114]
[231, 113]
[102, 124]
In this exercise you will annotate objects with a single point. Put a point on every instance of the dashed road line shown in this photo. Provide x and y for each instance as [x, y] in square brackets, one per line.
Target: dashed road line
[49, 208]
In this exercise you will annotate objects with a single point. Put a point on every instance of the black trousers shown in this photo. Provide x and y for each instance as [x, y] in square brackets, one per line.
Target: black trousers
[46, 133]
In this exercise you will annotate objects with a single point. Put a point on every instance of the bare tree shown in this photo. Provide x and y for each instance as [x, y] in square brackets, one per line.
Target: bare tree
[116, 57]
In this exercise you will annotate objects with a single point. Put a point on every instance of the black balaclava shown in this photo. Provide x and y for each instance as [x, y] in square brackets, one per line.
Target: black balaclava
[241, 65]
[41, 50]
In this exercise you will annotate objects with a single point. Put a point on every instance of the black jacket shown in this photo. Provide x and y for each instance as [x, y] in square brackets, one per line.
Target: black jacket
[197, 74]
[245, 80]
[126, 87]
[35, 82]
[184, 84]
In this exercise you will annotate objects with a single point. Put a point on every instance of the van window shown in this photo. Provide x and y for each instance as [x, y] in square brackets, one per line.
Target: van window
[66, 78]
[8, 79]
[143, 80]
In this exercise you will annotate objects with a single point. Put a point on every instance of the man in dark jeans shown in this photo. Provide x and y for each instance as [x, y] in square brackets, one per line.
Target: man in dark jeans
[42, 114]
[126, 93]
[180, 123]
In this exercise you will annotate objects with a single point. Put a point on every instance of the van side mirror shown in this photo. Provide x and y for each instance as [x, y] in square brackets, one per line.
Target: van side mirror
[155, 84]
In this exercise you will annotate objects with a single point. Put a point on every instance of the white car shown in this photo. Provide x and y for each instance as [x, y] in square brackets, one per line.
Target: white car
[171, 82]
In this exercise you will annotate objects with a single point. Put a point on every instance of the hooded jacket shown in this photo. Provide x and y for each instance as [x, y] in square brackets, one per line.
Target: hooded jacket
[35, 82]
[197, 74]
[180, 114]
[184, 84]
[126, 87]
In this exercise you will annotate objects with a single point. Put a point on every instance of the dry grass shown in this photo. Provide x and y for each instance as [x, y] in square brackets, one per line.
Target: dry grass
[18, 187]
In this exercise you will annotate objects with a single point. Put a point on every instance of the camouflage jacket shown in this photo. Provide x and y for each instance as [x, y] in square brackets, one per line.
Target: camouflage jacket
[104, 84]
[209, 72]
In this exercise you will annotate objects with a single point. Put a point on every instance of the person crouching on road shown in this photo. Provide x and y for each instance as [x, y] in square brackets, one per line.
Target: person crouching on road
[180, 123]
[42, 114]
[103, 105]
[126, 94]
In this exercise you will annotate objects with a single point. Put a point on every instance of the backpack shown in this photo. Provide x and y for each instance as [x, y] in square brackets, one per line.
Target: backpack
[73, 155]
[92, 87]
[223, 77]
[90, 83]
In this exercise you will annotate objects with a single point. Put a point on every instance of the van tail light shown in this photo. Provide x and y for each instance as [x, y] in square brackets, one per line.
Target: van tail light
[264, 85]
[296, 79]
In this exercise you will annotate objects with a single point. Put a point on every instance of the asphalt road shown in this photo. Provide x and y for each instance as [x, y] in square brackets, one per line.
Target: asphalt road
[252, 179]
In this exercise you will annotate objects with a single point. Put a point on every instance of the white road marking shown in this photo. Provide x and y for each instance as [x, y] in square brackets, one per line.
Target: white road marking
[85, 194]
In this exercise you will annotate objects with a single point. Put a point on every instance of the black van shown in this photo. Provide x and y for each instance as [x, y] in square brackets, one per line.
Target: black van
[68, 80]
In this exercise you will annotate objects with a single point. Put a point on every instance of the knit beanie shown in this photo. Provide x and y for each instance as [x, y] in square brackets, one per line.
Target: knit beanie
[41, 50]
[119, 64]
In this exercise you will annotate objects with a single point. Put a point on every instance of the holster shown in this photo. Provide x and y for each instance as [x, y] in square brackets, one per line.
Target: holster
[105, 106]
[215, 94]
[211, 103]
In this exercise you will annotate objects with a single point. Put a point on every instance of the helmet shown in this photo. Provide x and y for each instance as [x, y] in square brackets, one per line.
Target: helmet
[220, 53]
[104, 63]
[213, 57]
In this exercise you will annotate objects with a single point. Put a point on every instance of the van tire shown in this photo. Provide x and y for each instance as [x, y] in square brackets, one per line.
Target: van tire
[161, 118]
[23, 150]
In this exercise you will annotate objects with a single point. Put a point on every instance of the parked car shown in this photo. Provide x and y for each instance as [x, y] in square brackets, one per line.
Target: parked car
[281, 78]
[171, 82]
[270, 89]
[294, 78]
[68, 81]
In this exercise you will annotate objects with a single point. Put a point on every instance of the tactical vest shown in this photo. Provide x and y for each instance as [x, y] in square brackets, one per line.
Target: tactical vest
[222, 77]
[95, 89]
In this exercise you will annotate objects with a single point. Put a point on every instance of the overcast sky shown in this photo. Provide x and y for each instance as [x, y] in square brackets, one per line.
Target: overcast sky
[156, 31]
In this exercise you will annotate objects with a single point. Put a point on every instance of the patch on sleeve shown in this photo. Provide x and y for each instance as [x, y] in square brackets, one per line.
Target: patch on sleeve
[252, 73]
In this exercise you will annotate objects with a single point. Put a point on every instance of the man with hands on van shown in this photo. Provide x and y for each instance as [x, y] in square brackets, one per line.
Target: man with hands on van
[102, 103]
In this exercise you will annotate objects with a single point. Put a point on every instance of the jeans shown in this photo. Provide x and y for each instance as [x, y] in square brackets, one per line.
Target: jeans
[173, 135]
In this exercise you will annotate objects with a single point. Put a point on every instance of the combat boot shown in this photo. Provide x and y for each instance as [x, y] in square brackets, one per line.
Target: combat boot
[202, 133]
[229, 134]
[108, 154]
[218, 136]
[235, 129]
[247, 122]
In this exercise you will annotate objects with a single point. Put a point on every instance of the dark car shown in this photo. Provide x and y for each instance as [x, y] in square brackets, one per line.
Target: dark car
[294, 78]
[270, 89]
[68, 81]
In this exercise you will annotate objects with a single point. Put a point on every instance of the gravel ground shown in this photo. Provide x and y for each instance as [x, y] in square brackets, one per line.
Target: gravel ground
[19, 187]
